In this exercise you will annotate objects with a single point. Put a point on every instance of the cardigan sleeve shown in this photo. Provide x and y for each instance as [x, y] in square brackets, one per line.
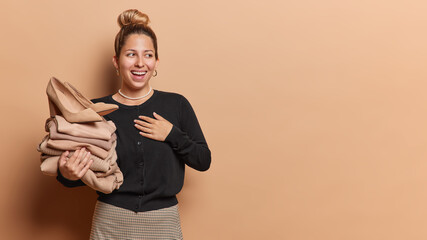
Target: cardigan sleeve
[188, 141]
[68, 183]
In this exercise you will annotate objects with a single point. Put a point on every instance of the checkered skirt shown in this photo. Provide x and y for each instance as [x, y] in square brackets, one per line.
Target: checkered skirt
[115, 223]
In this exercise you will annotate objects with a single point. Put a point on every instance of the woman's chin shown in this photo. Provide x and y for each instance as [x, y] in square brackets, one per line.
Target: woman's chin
[137, 85]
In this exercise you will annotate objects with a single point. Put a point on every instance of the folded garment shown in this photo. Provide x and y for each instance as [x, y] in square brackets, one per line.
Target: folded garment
[98, 130]
[51, 127]
[104, 182]
[100, 179]
[50, 167]
[49, 163]
[112, 179]
[71, 145]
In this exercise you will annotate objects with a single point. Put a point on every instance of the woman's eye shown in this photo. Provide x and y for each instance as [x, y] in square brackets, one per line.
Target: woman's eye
[148, 55]
[130, 54]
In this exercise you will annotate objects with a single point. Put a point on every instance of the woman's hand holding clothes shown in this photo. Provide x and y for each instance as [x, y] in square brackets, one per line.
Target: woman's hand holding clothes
[157, 129]
[76, 166]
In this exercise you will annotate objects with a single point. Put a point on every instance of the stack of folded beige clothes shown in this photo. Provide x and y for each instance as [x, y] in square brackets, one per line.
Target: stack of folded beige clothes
[76, 122]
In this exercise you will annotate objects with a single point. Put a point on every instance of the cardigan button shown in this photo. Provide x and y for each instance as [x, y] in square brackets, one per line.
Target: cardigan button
[139, 143]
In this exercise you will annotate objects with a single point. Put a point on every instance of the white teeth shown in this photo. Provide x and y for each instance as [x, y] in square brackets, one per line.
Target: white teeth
[139, 73]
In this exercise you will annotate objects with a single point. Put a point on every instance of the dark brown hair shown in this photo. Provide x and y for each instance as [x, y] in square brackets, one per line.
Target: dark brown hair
[133, 21]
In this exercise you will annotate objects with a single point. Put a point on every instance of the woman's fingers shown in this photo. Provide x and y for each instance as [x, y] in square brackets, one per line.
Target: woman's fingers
[148, 119]
[83, 162]
[157, 116]
[80, 156]
[157, 129]
[142, 123]
[147, 135]
[63, 159]
[144, 126]
[78, 164]
[77, 157]
[73, 157]
[144, 129]
[86, 167]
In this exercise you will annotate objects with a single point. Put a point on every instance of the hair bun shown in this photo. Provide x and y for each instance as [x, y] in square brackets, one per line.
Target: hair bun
[132, 16]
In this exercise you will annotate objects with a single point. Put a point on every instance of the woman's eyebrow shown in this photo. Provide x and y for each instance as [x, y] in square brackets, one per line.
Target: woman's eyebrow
[148, 50]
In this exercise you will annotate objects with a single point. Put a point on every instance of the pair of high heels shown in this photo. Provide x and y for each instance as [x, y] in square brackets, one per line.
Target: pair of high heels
[66, 100]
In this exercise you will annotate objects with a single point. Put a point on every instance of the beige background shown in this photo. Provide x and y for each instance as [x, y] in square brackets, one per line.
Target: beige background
[315, 113]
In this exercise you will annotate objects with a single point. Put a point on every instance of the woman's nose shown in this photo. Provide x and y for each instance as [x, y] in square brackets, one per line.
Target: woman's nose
[139, 62]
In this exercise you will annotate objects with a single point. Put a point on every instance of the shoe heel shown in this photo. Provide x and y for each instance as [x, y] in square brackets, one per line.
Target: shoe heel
[61, 101]
[53, 109]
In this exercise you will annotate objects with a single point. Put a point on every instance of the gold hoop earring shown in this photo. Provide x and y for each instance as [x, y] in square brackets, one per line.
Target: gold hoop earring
[155, 72]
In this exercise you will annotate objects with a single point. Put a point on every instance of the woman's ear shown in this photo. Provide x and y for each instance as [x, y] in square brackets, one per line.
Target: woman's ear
[157, 63]
[115, 62]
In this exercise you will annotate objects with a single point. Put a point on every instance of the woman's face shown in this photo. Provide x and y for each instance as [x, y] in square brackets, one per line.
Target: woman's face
[137, 62]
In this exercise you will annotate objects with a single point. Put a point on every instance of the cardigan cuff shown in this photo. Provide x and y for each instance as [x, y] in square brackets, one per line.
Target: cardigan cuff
[175, 136]
[68, 183]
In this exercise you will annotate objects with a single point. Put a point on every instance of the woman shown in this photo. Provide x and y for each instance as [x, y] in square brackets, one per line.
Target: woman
[157, 134]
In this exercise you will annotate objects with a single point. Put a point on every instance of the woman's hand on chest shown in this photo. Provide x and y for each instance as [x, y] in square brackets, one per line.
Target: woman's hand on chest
[156, 128]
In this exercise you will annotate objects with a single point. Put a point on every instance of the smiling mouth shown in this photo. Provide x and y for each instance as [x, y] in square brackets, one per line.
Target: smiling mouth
[139, 73]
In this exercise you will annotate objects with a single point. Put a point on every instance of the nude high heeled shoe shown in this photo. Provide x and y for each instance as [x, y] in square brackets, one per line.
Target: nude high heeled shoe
[100, 107]
[62, 102]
